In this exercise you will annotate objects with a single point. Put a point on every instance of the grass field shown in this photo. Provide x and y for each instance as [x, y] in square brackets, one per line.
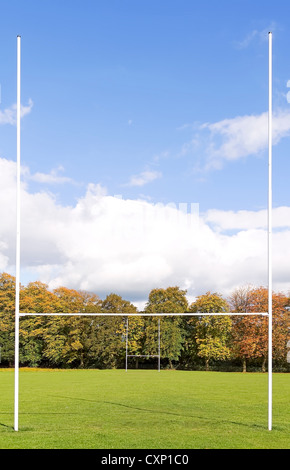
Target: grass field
[112, 409]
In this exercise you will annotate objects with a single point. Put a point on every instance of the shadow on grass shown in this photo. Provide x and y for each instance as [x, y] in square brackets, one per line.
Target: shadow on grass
[170, 413]
[11, 429]
[259, 426]
[6, 426]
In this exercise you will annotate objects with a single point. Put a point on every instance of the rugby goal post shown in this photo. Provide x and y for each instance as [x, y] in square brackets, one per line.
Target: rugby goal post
[17, 279]
[147, 356]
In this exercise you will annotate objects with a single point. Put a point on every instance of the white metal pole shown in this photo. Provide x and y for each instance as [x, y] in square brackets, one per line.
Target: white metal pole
[270, 242]
[158, 344]
[127, 326]
[17, 279]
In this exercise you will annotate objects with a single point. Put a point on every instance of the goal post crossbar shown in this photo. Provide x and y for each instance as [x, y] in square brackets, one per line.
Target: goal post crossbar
[110, 314]
[142, 355]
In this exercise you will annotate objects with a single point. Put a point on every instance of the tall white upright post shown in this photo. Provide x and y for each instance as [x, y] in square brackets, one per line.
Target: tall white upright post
[158, 344]
[127, 327]
[270, 242]
[17, 280]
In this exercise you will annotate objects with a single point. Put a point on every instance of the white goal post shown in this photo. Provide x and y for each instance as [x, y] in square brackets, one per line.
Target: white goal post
[19, 314]
[142, 355]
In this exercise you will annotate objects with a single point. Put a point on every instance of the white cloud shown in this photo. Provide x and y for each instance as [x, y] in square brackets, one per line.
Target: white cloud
[255, 35]
[49, 178]
[244, 43]
[232, 139]
[8, 116]
[144, 178]
[106, 244]
[247, 220]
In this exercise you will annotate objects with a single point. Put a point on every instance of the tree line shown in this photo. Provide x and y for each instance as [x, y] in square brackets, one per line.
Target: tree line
[191, 342]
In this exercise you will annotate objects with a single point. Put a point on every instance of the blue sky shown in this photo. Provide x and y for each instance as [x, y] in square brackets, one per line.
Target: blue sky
[151, 100]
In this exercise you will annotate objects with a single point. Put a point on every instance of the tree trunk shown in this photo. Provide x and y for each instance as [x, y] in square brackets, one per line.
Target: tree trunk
[207, 364]
[264, 365]
[170, 364]
[136, 363]
[244, 365]
[82, 361]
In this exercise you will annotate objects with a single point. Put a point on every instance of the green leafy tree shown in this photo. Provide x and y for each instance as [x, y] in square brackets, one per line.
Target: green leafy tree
[211, 333]
[170, 300]
[34, 298]
[136, 337]
[110, 333]
[7, 317]
[69, 340]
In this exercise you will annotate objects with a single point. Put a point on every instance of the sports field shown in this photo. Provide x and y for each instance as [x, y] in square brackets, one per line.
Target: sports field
[112, 409]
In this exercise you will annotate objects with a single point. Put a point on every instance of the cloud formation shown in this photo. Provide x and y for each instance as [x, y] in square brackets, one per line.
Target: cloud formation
[248, 220]
[255, 35]
[48, 178]
[8, 116]
[236, 138]
[105, 244]
[144, 178]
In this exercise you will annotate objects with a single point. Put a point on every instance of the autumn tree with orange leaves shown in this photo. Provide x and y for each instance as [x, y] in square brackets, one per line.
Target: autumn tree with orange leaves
[69, 339]
[250, 333]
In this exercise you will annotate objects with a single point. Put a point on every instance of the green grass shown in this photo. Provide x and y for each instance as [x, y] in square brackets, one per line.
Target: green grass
[74, 409]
